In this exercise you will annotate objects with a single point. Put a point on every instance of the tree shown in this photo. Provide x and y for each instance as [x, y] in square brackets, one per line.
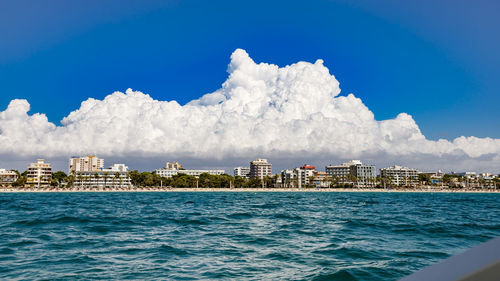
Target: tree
[117, 176]
[239, 182]
[424, 178]
[59, 177]
[97, 177]
[310, 182]
[106, 175]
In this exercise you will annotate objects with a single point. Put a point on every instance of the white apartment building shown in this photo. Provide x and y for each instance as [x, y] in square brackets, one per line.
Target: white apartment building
[400, 175]
[114, 176]
[341, 171]
[172, 169]
[243, 172]
[7, 177]
[260, 168]
[364, 174]
[85, 164]
[288, 178]
[298, 177]
[39, 173]
[304, 174]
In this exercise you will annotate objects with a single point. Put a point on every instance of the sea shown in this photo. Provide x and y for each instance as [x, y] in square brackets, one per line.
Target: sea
[237, 235]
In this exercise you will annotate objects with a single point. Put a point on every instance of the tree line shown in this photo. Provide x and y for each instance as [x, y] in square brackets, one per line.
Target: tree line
[205, 180]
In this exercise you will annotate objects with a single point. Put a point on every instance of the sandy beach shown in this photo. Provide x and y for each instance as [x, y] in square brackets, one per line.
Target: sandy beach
[166, 189]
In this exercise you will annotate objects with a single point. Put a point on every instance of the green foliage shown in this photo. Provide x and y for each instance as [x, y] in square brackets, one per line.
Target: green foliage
[424, 178]
[21, 181]
[144, 179]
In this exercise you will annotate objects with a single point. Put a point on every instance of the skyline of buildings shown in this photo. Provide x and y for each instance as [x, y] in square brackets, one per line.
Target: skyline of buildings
[89, 171]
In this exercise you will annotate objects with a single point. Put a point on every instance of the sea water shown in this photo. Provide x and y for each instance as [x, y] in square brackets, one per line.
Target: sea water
[237, 235]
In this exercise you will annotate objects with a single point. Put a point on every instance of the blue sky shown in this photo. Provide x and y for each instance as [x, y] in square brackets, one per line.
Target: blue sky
[438, 62]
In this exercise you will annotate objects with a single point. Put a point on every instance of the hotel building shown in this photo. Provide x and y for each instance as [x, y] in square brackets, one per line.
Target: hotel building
[243, 172]
[400, 175]
[39, 174]
[260, 168]
[354, 170]
[172, 169]
[85, 164]
[298, 177]
[114, 176]
[7, 177]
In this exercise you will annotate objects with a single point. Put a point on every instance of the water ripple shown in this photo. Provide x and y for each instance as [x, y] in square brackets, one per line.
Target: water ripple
[237, 236]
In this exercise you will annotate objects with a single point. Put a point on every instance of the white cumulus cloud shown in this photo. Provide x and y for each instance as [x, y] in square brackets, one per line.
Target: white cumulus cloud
[260, 110]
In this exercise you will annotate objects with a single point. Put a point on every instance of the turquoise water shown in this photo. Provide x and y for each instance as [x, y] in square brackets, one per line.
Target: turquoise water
[238, 236]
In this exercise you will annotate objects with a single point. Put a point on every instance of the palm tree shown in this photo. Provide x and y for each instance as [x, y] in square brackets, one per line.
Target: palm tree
[106, 175]
[310, 181]
[80, 179]
[97, 176]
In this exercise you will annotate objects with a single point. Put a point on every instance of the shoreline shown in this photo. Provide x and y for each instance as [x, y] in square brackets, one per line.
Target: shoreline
[158, 189]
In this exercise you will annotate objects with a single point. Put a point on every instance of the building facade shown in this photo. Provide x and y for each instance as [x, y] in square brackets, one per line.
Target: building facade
[321, 179]
[172, 169]
[304, 175]
[400, 176]
[115, 176]
[353, 172]
[243, 172]
[260, 168]
[7, 177]
[298, 177]
[85, 164]
[289, 179]
[39, 174]
[364, 175]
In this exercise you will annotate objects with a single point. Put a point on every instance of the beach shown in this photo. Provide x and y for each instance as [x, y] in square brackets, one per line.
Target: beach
[169, 189]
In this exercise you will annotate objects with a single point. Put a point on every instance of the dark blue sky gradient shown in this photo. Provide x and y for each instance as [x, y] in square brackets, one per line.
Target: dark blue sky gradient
[438, 62]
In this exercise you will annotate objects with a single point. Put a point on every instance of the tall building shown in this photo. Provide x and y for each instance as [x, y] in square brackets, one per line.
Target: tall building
[288, 178]
[243, 172]
[7, 177]
[39, 173]
[85, 164]
[260, 168]
[400, 175]
[304, 175]
[364, 175]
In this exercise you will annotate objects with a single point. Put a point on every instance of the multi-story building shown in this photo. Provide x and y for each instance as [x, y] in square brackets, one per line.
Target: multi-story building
[85, 164]
[400, 176]
[321, 179]
[298, 177]
[260, 168]
[7, 177]
[353, 171]
[364, 174]
[243, 172]
[39, 173]
[115, 176]
[304, 175]
[172, 169]
[197, 173]
[340, 171]
[289, 178]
